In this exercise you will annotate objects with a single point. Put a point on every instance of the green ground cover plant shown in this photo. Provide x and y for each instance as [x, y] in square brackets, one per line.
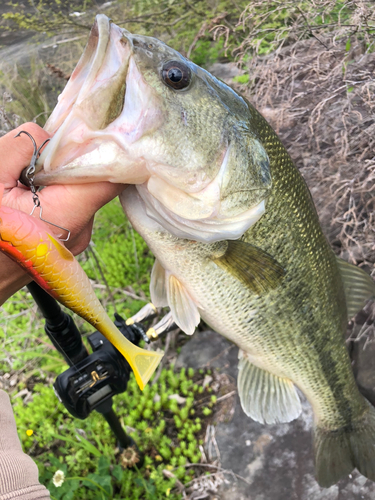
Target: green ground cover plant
[125, 258]
[167, 422]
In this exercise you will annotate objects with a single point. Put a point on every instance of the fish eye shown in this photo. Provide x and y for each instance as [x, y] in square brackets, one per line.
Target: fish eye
[176, 74]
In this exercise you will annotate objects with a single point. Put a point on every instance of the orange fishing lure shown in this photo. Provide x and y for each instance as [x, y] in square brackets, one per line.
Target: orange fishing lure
[26, 240]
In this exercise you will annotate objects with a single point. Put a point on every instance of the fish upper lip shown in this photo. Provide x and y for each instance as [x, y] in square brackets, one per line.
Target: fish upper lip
[78, 87]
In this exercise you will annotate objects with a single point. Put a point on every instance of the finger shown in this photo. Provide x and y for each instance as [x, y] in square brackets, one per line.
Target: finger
[74, 207]
[78, 202]
[79, 242]
[65, 202]
[16, 153]
[67, 206]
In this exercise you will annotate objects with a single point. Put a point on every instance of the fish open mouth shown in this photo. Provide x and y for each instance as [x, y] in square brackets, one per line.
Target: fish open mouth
[99, 115]
[116, 121]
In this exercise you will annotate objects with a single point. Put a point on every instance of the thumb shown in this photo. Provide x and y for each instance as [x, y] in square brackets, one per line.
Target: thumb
[19, 150]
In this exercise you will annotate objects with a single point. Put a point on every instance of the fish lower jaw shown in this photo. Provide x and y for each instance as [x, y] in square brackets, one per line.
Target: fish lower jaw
[105, 162]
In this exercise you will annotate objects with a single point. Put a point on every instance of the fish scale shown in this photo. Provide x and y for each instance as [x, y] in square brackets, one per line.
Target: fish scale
[305, 348]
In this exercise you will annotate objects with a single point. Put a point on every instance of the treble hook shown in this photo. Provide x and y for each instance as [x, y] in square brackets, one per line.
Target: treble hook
[30, 171]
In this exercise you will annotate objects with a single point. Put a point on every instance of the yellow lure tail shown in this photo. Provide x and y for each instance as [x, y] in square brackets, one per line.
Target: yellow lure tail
[142, 362]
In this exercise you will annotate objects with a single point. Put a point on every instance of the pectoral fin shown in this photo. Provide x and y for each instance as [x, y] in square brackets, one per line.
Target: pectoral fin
[266, 398]
[251, 265]
[167, 290]
[184, 309]
[358, 285]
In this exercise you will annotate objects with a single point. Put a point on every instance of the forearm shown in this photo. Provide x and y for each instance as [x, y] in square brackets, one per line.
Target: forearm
[18, 472]
[12, 278]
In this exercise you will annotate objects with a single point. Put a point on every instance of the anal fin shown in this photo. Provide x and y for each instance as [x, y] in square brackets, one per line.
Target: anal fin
[266, 398]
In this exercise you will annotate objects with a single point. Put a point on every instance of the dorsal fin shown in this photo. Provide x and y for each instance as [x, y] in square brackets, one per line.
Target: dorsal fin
[254, 267]
[358, 285]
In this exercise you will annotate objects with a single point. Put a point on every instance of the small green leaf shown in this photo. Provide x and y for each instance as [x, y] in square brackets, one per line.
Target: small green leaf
[89, 446]
[68, 496]
[103, 466]
[118, 473]
[348, 45]
[241, 79]
[86, 444]
[103, 483]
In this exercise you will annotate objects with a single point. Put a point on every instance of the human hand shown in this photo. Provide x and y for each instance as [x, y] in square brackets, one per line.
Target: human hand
[71, 206]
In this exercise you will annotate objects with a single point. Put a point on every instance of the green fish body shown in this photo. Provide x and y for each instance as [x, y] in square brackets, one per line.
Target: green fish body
[289, 325]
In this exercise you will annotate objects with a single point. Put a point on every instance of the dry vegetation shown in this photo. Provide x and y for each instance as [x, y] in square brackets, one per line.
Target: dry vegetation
[321, 103]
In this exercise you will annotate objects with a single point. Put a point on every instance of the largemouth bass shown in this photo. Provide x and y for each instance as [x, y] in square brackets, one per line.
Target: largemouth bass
[26, 240]
[233, 227]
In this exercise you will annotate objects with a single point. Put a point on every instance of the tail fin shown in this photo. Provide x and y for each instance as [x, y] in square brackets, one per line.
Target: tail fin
[339, 451]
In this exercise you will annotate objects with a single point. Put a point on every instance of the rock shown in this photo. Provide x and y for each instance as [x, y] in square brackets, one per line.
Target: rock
[363, 362]
[225, 71]
[208, 350]
[361, 346]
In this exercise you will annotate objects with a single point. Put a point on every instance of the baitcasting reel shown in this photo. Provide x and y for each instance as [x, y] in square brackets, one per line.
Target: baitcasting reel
[93, 379]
